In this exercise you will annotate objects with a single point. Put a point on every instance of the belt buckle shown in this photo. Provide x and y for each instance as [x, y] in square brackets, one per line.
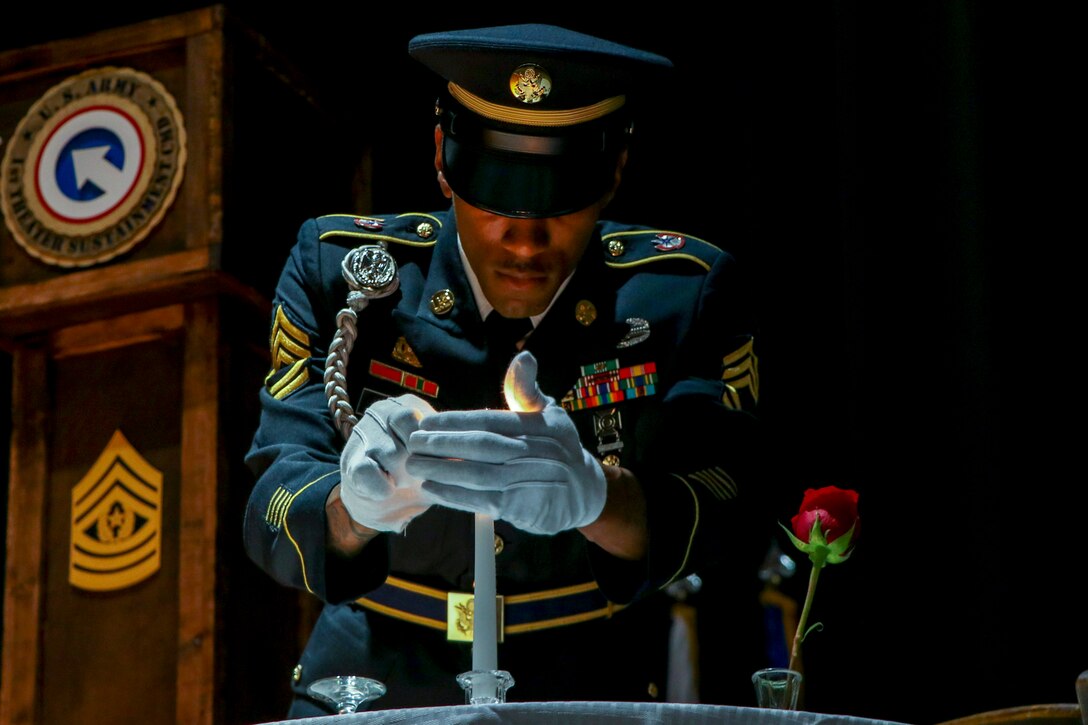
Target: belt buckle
[459, 610]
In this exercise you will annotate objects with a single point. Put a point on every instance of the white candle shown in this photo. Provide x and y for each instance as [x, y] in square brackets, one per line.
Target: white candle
[522, 395]
[485, 628]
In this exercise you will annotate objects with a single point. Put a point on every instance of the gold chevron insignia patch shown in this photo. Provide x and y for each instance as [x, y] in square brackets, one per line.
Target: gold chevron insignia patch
[116, 537]
[717, 481]
[287, 343]
[295, 377]
[404, 353]
[740, 373]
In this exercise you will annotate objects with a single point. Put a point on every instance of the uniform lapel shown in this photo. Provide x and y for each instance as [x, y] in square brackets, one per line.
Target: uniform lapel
[450, 345]
[562, 343]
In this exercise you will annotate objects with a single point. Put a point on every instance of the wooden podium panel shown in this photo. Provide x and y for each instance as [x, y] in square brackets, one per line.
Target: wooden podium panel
[101, 630]
[133, 375]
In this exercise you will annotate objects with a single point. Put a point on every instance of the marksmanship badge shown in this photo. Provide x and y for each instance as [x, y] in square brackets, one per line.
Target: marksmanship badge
[92, 167]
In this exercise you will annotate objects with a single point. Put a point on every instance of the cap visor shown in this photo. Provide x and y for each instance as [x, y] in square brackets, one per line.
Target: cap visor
[523, 185]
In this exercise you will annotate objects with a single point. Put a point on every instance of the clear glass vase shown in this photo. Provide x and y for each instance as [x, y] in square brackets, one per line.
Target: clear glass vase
[777, 688]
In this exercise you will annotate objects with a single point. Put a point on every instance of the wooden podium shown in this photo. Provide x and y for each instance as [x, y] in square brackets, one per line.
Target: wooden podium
[146, 215]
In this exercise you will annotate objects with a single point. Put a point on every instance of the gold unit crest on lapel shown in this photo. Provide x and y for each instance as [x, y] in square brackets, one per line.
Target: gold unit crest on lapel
[585, 312]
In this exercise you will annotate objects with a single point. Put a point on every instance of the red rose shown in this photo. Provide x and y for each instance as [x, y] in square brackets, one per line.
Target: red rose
[827, 524]
[825, 528]
[836, 508]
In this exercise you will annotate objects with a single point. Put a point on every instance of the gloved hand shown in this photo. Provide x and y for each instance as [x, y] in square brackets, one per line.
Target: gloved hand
[376, 489]
[527, 468]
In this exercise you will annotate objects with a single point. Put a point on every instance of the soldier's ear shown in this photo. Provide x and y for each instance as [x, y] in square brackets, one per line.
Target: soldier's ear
[621, 161]
[446, 190]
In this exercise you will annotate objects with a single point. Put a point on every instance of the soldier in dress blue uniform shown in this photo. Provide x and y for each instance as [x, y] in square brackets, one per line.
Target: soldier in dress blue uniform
[384, 426]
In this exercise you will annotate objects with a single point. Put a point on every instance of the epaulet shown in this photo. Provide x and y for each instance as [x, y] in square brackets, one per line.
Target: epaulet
[414, 229]
[627, 246]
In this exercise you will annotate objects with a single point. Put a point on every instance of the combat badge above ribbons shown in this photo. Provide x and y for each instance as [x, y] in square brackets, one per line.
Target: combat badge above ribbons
[92, 167]
[116, 538]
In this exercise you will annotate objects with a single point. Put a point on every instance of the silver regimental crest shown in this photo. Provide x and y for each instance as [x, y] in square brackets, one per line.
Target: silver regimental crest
[371, 272]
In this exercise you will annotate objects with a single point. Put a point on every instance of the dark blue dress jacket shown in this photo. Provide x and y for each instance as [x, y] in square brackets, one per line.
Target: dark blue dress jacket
[675, 406]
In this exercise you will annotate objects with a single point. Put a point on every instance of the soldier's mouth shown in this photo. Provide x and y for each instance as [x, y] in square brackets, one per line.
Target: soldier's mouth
[521, 279]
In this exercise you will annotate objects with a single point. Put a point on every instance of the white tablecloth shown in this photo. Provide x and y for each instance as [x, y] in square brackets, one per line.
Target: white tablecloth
[587, 713]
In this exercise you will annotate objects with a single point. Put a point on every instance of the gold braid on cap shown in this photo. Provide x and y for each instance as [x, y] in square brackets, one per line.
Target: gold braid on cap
[525, 117]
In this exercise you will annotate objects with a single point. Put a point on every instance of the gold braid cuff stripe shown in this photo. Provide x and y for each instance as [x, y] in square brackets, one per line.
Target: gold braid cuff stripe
[526, 117]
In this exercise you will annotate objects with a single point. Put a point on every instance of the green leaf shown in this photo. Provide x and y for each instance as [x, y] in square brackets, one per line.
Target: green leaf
[818, 626]
[841, 548]
[796, 542]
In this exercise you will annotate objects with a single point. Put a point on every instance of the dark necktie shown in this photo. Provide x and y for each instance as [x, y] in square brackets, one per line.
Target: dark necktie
[503, 334]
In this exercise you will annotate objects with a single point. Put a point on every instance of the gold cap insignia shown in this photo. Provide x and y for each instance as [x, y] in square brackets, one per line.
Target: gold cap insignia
[585, 312]
[530, 83]
[442, 302]
[403, 352]
[116, 520]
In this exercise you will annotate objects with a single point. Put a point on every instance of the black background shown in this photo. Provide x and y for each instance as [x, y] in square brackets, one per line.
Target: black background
[898, 179]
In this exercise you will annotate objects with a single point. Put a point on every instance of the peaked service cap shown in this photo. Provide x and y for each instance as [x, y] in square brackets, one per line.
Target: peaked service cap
[535, 116]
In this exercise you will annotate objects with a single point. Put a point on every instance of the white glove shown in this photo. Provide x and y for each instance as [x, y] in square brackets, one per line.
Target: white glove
[525, 468]
[376, 489]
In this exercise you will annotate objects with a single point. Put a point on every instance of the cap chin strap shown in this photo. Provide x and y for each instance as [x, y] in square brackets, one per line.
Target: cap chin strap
[529, 117]
[525, 144]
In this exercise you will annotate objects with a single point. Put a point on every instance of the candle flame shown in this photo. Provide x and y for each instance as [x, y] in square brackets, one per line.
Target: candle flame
[523, 395]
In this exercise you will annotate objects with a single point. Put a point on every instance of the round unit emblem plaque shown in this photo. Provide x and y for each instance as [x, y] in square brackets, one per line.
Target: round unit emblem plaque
[92, 167]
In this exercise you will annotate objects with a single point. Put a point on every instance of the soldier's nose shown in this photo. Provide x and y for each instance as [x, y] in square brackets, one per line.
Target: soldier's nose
[527, 234]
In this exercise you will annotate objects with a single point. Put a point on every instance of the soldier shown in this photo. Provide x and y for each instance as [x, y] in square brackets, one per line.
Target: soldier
[640, 468]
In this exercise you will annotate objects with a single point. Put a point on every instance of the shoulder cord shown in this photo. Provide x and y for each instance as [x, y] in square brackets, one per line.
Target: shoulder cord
[371, 273]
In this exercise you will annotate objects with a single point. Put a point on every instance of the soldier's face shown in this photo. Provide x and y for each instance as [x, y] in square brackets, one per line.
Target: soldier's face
[521, 263]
